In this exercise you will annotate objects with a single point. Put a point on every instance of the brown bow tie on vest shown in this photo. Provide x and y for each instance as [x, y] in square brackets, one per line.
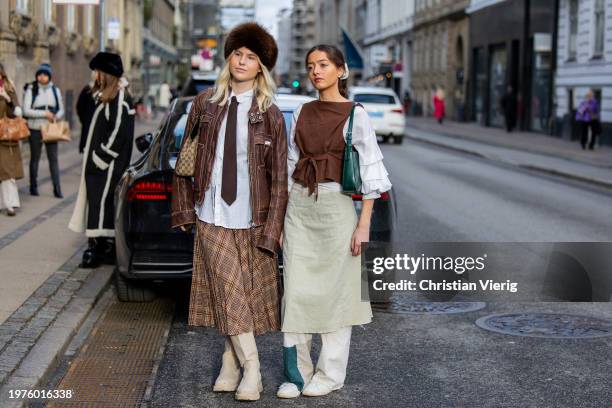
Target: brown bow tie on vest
[228, 179]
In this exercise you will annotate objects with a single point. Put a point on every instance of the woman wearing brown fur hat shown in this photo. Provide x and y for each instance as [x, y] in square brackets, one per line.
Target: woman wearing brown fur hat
[236, 202]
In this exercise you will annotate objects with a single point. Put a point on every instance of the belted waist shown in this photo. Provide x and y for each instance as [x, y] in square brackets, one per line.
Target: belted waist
[308, 173]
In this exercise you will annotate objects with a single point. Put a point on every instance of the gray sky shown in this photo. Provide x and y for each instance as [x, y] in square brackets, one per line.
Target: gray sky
[266, 10]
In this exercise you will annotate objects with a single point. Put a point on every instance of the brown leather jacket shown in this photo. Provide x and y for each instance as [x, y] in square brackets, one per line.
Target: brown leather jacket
[267, 158]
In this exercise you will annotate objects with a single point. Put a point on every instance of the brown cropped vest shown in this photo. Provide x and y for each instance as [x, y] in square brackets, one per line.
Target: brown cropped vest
[318, 135]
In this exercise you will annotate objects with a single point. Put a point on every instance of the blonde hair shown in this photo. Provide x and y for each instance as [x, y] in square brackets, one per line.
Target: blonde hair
[263, 90]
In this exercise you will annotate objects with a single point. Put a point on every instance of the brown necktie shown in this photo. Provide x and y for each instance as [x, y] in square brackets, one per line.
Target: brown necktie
[228, 179]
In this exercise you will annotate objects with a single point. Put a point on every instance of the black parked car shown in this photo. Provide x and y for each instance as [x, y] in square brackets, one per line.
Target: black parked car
[197, 82]
[148, 249]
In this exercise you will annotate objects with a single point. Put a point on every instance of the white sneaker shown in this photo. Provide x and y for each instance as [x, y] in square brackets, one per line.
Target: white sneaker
[288, 390]
[317, 389]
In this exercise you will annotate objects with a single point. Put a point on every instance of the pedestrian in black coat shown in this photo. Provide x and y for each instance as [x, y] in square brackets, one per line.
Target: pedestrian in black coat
[508, 104]
[107, 150]
[86, 105]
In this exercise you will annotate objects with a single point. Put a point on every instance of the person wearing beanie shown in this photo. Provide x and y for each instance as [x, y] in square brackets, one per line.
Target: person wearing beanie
[236, 202]
[106, 156]
[43, 103]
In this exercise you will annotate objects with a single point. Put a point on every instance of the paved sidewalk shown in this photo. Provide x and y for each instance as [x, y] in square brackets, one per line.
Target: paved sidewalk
[536, 152]
[524, 141]
[45, 297]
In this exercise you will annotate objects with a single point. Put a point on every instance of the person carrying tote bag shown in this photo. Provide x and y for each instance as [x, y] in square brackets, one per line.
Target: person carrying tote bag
[322, 234]
[11, 167]
[55, 131]
[42, 103]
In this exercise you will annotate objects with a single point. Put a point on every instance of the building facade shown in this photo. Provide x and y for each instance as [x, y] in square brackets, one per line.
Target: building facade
[123, 35]
[584, 62]
[32, 32]
[204, 27]
[160, 54]
[303, 37]
[283, 39]
[512, 46]
[387, 43]
[440, 40]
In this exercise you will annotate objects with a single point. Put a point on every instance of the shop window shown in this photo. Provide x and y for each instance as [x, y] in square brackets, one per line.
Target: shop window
[70, 19]
[573, 29]
[48, 11]
[497, 84]
[600, 29]
[89, 20]
[22, 6]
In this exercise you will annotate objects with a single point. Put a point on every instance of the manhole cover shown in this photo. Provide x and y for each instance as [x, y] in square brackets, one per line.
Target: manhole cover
[405, 306]
[547, 325]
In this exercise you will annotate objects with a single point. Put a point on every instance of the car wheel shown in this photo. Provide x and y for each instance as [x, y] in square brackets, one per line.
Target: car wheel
[390, 139]
[399, 140]
[130, 291]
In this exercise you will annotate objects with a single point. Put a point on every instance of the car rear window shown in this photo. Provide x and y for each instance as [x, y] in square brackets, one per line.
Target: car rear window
[203, 85]
[375, 98]
[176, 122]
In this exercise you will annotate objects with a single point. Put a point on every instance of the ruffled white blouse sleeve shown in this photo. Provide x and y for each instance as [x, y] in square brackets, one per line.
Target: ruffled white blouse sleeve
[374, 175]
[293, 153]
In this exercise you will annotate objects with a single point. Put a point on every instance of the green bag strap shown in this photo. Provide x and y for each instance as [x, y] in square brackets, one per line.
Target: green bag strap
[349, 131]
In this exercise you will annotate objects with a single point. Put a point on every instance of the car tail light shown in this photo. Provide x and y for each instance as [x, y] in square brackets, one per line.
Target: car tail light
[150, 191]
[398, 110]
[383, 197]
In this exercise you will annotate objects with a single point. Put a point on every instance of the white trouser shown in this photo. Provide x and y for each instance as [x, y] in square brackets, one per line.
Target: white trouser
[331, 367]
[9, 194]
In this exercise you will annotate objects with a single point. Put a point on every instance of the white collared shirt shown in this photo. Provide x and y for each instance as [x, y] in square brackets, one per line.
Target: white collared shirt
[214, 210]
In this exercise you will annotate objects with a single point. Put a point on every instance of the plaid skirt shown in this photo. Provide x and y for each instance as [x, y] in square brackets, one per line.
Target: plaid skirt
[235, 286]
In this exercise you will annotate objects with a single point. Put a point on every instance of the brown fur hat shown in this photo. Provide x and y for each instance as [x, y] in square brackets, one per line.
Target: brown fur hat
[255, 38]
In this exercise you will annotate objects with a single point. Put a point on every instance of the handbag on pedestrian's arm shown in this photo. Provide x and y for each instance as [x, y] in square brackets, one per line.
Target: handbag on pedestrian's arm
[56, 131]
[185, 164]
[13, 129]
[351, 178]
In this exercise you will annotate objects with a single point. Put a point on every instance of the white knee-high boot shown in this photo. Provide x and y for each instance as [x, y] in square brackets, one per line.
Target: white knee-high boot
[229, 376]
[246, 350]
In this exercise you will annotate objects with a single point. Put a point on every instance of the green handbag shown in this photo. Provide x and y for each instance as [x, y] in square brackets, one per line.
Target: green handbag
[351, 178]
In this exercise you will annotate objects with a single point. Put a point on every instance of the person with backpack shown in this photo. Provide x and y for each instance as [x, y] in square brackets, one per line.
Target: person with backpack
[42, 103]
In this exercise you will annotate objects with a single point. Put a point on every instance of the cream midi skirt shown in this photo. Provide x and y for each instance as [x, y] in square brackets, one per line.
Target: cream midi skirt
[322, 279]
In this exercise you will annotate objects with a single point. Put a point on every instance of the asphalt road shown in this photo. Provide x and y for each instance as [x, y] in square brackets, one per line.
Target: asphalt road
[407, 360]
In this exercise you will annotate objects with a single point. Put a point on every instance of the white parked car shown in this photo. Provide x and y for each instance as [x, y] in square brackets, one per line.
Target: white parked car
[287, 103]
[385, 110]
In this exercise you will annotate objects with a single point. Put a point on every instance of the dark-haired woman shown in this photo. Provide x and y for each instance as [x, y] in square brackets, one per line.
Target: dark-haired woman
[322, 233]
